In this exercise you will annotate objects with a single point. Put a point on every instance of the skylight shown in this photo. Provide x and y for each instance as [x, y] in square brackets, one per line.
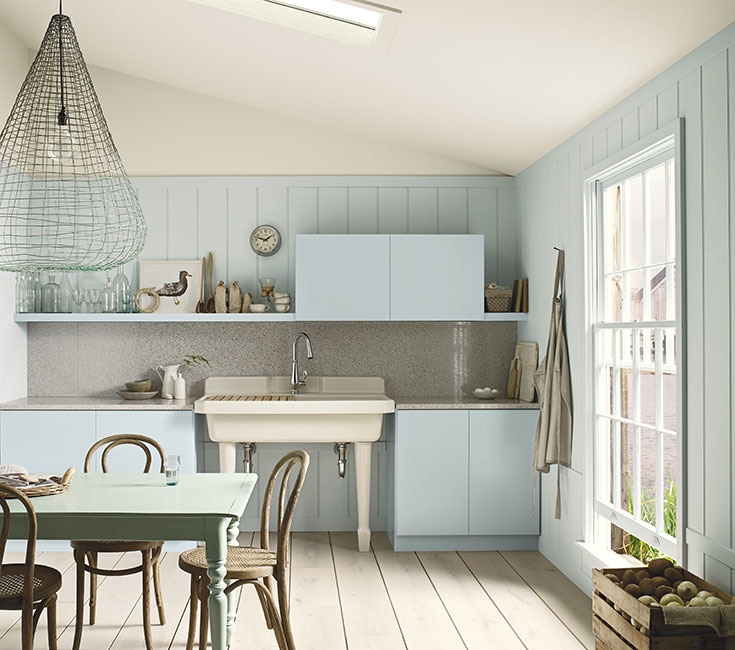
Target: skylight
[354, 22]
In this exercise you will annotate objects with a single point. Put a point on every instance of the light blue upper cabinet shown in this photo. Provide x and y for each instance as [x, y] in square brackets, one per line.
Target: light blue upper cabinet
[437, 277]
[390, 277]
[343, 277]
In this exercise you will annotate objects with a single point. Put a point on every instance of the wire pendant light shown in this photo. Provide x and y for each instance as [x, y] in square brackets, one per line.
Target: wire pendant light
[66, 202]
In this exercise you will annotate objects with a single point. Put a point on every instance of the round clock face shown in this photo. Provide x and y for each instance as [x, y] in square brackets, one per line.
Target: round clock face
[265, 240]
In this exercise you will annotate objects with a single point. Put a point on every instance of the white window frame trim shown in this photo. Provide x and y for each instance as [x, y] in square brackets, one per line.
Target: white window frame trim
[642, 150]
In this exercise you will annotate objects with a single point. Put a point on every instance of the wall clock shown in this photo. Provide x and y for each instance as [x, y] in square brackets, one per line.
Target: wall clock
[265, 240]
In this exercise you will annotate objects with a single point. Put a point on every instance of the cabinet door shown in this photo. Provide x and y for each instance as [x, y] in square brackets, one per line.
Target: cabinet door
[342, 277]
[46, 441]
[437, 277]
[431, 473]
[500, 452]
[173, 430]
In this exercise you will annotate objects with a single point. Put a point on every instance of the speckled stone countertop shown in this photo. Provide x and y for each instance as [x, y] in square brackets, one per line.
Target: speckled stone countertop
[157, 404]
[96, 404]
[468, 403]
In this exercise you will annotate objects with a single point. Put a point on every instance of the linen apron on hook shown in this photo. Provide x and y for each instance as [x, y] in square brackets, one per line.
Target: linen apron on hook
[553, 441]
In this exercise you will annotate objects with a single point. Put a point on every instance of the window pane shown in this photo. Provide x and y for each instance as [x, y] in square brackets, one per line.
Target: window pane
[656, 209]
[611, 227]
[632, 222]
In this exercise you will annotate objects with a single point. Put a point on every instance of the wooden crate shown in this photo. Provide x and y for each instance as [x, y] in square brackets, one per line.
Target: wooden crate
[613, 630]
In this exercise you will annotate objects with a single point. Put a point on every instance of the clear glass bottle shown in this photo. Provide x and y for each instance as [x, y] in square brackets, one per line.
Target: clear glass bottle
[21, 288]
[65, 299]
[51, 296]
[37, 293]
[121, 285]
[109, 299]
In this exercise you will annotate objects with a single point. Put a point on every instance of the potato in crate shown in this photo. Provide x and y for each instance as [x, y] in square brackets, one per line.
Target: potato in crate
[660, 607]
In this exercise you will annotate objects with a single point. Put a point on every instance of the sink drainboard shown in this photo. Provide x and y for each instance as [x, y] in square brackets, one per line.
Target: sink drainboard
[248, 398]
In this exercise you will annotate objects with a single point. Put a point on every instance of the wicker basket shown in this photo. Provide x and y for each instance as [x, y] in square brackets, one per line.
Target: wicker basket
[497, 298]
[51, 485]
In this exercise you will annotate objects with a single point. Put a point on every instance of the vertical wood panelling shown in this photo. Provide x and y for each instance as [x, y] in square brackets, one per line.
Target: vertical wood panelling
[189, 217]
[508, 249]
[241, 219]
[648, 117]
[332, 210]
[422, 210]
[690, 105]
[183, 219]
[452, 210]
[212, 225]
[614, 137]
[153, 197]
[363, 210]
[717, 346]
[599, 147]
[393, 210]
[482, 216]
[630, 124]
[668, 108]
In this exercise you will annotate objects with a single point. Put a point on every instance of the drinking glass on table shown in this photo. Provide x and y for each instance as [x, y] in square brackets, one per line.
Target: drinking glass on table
[173, 465]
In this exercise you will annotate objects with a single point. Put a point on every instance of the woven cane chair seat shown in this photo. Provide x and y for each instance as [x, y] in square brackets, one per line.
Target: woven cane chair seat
[243, 562]
[46, 582]
[113, 546]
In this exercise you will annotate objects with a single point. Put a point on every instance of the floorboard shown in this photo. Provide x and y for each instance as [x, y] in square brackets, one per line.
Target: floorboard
[345, 600]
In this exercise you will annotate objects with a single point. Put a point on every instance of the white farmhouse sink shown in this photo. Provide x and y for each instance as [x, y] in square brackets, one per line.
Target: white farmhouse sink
[326, 409]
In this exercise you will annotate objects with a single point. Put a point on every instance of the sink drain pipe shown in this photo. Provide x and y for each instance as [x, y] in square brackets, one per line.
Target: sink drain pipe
[340, 448]
[249, 449]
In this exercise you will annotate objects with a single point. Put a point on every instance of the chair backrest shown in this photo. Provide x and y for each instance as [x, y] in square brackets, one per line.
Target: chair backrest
[288, 496]
[136, 440]
[8, 492]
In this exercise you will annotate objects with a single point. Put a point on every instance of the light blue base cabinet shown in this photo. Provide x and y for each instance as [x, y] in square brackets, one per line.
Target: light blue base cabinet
[461, 480]
[46, 441]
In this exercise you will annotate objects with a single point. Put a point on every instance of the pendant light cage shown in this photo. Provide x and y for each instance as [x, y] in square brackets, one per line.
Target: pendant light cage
[66, 202]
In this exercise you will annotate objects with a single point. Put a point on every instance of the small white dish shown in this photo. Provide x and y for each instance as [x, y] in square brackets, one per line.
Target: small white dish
[486, 393]
[258, 309]
[283, 308]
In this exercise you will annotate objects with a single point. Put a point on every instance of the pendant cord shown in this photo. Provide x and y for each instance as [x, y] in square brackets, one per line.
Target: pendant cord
[62, 117]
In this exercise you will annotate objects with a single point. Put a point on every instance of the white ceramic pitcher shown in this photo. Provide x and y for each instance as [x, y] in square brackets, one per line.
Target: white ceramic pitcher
[168, 379]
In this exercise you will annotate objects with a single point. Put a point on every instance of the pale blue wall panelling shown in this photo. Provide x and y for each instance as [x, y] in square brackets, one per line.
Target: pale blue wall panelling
[701, 90]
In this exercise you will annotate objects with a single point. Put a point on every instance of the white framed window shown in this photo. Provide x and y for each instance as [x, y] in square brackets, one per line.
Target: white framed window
[635, 304]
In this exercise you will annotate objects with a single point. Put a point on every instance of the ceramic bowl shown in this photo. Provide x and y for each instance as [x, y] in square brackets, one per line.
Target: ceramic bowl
[258, 309]
[139, 385]
[486, 393]
[137, 394]
[283, 308]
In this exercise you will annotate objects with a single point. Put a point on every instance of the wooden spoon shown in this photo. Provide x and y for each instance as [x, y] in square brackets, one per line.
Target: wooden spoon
[210, 300]
[200, 304]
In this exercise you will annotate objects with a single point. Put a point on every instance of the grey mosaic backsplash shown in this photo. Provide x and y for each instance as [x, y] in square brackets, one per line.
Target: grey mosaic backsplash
[417, 359]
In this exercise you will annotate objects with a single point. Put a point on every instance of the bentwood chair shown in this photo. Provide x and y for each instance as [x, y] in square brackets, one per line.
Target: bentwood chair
[27, 587]
[249, 565]
[86, 551]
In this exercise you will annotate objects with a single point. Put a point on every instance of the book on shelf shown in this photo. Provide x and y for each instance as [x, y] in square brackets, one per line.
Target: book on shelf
[519, 299]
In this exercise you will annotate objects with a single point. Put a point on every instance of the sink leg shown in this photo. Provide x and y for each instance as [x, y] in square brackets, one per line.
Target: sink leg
[227, 452]
[362, 477]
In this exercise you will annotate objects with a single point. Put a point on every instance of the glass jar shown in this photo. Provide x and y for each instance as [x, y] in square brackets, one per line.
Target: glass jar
[51, 296]
[65, 299]
[109, 299]
[37, 292]
[121, 285]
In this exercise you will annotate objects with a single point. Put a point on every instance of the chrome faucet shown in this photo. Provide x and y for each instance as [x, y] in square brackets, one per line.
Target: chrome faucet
[296, 378]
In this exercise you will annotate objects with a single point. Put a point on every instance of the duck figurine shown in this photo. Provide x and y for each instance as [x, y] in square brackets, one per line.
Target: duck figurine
[175, 289]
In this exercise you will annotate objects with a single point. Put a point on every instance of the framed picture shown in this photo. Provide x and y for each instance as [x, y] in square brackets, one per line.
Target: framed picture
[177, 284]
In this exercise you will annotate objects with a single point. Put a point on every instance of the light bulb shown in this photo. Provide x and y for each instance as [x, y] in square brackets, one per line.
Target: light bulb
[60, 147]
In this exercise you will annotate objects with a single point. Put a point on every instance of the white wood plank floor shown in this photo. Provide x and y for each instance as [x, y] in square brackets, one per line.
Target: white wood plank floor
[343, 599]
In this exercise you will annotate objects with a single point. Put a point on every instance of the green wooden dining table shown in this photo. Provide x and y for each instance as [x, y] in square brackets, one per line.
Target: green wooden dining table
[201, 507]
